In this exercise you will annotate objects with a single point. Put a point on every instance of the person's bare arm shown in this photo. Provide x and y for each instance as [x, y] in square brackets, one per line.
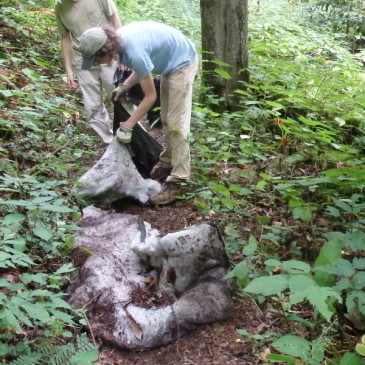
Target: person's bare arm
[115, 20]
[67, 53]
[132, 80]
[150, 95]
[117, 23]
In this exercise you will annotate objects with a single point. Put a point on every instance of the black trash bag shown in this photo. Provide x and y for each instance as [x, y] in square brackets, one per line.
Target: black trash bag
[144, 149]
[135, 95]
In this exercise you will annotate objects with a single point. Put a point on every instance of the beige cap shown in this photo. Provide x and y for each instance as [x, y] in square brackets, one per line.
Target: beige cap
[91, 41]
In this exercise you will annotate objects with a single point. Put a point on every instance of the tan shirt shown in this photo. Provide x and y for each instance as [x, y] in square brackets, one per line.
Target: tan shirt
[77, 16]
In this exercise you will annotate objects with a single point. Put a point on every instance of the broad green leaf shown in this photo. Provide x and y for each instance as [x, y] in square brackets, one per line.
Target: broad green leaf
[293, 346]
[303, 213]
[334, 212]
[10, 320]
[39, 278]
[360, 349]
[61, 315]
[13, 287]
[240, 271]
[220, 63]
[358, 263]
[295, 266]
[342, 284]
[355, 300]
[65, 268]
[85, 358]
[41, 293]
[4, 256]
[60, 303]
[42, 199]
[329, 254]
[37, 311]
[281, 358]
[22, 203]
[343, 205]
[268, 285]
[298, 283]
[223, 73]
[56, 208]
[243, 332]
[354, 241]
[221, 189]
[274, 104]
[341, 267]
[6, 93]
[350, 358]
[273, 263]
[319, 297]
[21, 316]
[19, 244]
[14, 218]
[250, 249]
[43, 232]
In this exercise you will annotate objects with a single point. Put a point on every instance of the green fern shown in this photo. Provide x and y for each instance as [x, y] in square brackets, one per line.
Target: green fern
[84, 353]
[31, 359]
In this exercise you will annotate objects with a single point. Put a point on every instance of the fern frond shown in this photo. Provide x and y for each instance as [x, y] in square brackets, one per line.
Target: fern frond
[63, 354]
[67, 353]
[31, 359]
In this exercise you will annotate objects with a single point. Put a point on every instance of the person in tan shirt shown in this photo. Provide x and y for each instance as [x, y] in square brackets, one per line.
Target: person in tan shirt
[73, 18]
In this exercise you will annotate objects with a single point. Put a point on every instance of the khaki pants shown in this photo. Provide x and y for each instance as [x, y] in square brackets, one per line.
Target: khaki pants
[92, 83]
[176, 99]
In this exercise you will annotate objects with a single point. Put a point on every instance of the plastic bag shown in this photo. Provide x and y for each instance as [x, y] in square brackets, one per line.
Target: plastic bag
[135, 95]
[144, 149]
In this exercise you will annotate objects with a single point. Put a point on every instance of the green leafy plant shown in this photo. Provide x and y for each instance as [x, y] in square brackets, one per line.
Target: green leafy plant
[84, 353]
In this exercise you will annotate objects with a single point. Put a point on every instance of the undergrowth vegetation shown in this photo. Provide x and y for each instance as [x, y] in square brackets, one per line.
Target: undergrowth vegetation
[284, 176]
[286, 173]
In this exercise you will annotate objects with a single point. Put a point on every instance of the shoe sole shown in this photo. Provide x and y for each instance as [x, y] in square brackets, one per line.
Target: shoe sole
[166, 202]
[161, 177]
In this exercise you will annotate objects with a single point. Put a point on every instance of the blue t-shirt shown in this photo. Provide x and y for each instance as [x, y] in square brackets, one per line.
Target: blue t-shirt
[150, 47]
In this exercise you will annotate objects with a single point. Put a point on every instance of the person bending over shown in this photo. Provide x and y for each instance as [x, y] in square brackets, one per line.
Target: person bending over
[150, 48]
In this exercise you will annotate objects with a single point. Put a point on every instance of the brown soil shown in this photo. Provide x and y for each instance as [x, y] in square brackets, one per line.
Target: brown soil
[214, 344]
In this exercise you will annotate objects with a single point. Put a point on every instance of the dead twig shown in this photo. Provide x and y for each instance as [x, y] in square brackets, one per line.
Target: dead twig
[62, 147]
[91, 330]
[91, 300]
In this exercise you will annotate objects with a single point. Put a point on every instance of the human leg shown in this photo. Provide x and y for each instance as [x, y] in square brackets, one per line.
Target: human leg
[106, 75]
[95, 111]
[176, 100]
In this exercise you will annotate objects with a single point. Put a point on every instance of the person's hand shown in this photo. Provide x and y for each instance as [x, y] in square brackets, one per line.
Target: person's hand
[119, 91]
[71, 83]
[122, 68]
[124, 134]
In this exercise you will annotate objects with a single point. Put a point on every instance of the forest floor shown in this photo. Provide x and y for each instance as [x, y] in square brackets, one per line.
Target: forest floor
[217, 343]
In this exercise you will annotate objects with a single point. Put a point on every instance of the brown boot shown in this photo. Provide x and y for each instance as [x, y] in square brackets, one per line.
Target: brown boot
[168, 194]
[160, 173]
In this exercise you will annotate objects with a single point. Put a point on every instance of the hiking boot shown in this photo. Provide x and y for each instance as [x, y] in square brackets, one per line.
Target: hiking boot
[168, 194]
[160, 173]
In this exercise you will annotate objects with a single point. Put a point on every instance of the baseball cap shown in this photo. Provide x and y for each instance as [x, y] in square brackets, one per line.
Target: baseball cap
[91, 41]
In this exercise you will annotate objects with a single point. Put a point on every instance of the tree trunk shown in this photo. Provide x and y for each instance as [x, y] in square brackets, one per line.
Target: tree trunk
[224, 26]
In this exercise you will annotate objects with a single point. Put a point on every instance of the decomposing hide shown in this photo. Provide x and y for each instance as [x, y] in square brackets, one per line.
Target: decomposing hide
[114, 176]
[142, 289]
